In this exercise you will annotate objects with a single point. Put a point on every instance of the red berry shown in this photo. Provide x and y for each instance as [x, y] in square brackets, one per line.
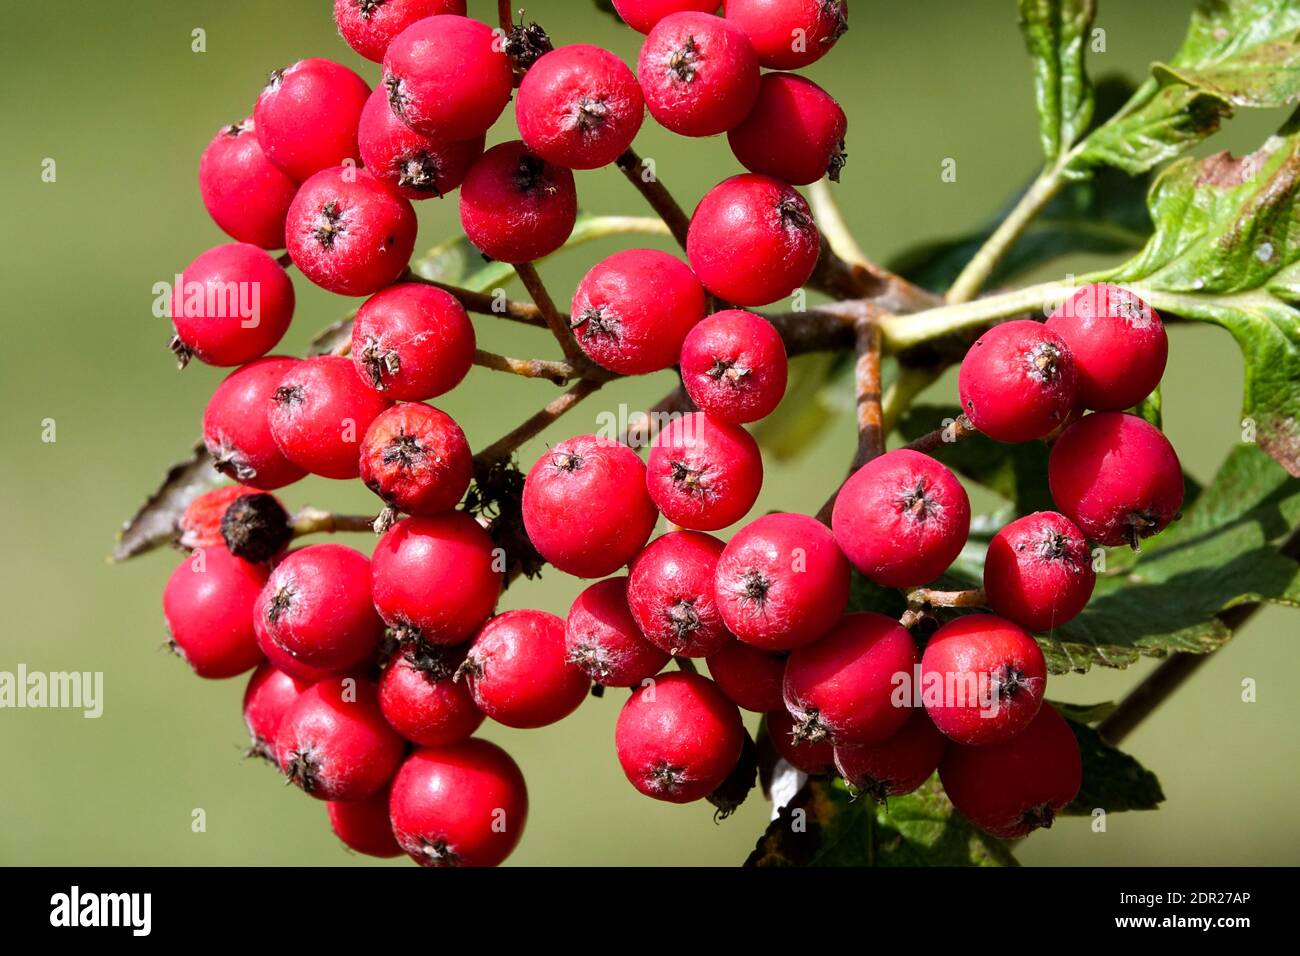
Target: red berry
[267, 699]
[335, 744]
[369, 26]
[315, 610]
[808, 756]
[752, 240]
[447, 77]
[200, 525]
[602, 639]
[1038, 571]
[734, 366]
[208, 602]
[751, 678]
[794, 133]
[363, 825]
[781, 582]
[585, 506]
[703, 473]
[515, 206]
[416, 459]
[412, 342]
[670, 592]
[232, 305]
[417, 166]
[1012, 788]
[319, 413]
[464, 805]
[307, 116]
[678, 737]
[642, 15]
[982, 679]
[632, 311]
[1116, 477]
[246, 194]
[897, 765]
[789, 34]
[421, 700]
[518, 672]
[843, 687]
[237, 432]
[698, 73]
[348, 232]
[435, 579]
[901, 518]
[1118, 342]
[579, 106]
[1017, 381]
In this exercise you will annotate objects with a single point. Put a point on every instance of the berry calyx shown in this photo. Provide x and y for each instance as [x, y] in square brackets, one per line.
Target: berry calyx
[602, 639]
[208, 602]
[670, 592]
[233, 304]
[416, 458]
[417, 166]
[369, 26]
[422, 700]
[734, 366]
[515, 206]
[1038, 571]
[698, 73]
[750, 677]
[895, 766]
[363, 825]
[794, 133]
[412, 342]
[307, 115]
[236, 429]
[789, 34]
[267, 698]
[246, 194]
[200, 525]
[703, 473]
[256, 527]
[803, 753]
[1018, 381]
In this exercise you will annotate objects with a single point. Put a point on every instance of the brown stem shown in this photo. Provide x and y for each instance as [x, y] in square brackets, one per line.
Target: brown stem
[656, 194]
[827, 328]
[676, 402]
[558, 324]
[911, 617]
[926, 597]
[315, 521]
[504, 15]
[505, 446]
[685, 664]
[945, 435]
[484, 304]
[558, 372]
[866, 377]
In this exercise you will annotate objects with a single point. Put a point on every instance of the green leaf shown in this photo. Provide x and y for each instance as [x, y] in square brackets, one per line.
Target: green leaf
[1056, 33]
[1112, 780]
[1221, 29]
[1084, 713]
[1169, 121]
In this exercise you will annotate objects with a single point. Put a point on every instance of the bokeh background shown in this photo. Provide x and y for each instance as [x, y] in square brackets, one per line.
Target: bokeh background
[113, 93]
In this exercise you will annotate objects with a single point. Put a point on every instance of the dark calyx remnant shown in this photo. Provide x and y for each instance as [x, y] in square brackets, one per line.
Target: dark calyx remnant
[256, 527]
[731, 793]
[526, 44]
[684, 62]
[329, 224]
[379, 361]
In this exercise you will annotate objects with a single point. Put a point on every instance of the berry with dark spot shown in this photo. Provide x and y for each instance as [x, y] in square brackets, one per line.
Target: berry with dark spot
[794, 133]
[1018, 382]
[256, 527]
[417, 166]
[803, 753]
[601, 637]
[734, 366]
[1038, 571]
[200, 525]
[307, 114]
[515, 206]
[670, 592]
[416, 458]
[703, 473]
[698, 73]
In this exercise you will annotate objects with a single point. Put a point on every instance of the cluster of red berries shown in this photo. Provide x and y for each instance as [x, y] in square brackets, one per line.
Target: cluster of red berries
[370, 675]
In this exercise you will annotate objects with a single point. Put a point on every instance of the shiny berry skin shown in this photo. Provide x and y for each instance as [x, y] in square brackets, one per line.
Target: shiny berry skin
[307, 116]
[236, 430]
[1013, 788]
[516, 207]
[982, 679]
[447, 77]
[1018, 381]
[901, 518]
[463, 805]
[335, 744]
[794, 133]
[807, 756]
[1038, 571]
[348, 232]
[208, 602]
[417, 166]
[773, 226]
[363, 825]
[1116, 477]
[750, 678]
[579, 106]
[319, 413]
[246, 194]
[234, 304]
[632, 310]
[416, 459]
[678, 738]
[316, 610]
[642, 15]
[200, 525]
[585, 506]
[369, 26]
[423, 702]
[781, 582]
[771, 27]
[702, 473]
[412, 342]
[670, 592]
[435, 579]
[843, 687]
[895, 766]
[518, 672]
[267, 699]
[601, 638]
[734, 366]
[1119, 345]
[698, 73]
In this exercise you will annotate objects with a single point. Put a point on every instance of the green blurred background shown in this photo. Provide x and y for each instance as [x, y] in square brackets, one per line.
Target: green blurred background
[113, 93]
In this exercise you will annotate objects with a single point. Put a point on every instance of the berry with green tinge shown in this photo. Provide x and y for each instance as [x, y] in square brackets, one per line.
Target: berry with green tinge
[678, 737]
[417, 166]
[423, 702]
[1017, 382]
[246, 194]
[307, 114]
[363, 825]
[794, 133]
[516, 207]
[601, 638]
[234, 304]
[781, 582]
[1013, 788]
[208, 602]
[698, 73]
[805, 755]
[369, 26]
[772, 226]
[789, 34]
[416, 458]
[585, 506]
[412, 342]
[464, 805]
[901, 518]
[256, 527]
[319, 413]
[703, 473]
[1038, 571]
[633, 310]
[1116, 477]
[751, 678]
[670, 592]
[642, 15]
[734, 366]
[896, 765]
[237, 432]
[267, 698]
